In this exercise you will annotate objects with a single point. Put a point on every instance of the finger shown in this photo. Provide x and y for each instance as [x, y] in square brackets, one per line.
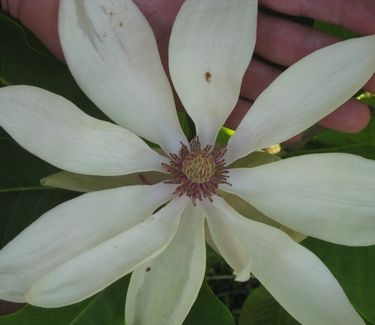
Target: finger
[284, 42]
[257, 78]
[161, 15]
[238, 113]
[7, 307]
[356, 16]
[351, 117]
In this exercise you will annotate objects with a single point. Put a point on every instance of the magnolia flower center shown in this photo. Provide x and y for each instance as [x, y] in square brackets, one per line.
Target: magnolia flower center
[197, 172]
[199, 167]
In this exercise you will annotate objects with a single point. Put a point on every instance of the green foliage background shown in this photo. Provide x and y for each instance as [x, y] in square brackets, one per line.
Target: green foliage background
[23, 60]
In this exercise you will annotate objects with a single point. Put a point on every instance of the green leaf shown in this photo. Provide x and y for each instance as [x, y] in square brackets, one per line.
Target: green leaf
[18, 168]
[330, 138]
[367, 98]
[354, 268]
[208, 310]
[361, 143]
[22, 198]
[25, 201]
[260, 308]
[254, 159]
[333, 30]
[366, 151]
[107, 307]
[26, 61]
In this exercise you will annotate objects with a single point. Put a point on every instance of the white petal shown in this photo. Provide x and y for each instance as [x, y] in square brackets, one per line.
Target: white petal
[71, 228]
[112, 53]
[55, 130]
[327, 196]
[293, 275]
[209, 50]
[227, 243]
[305, 93]
[162, 291]
[96, 268]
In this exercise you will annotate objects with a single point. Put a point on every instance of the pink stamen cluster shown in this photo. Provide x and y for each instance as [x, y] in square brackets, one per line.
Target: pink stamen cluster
[197, 171]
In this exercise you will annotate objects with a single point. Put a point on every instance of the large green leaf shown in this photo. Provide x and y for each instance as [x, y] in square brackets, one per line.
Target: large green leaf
[260, 308]
[22, 198]
[208, 310]
[107, 307]
[361, 143]
[330, 138]
[364, 150]
[354, 268]
[24, 60]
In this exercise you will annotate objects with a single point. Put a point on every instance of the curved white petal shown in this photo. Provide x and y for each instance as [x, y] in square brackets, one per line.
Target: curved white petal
[96, 268]
[327, 196]
[112, 54]
[163, 290]
[55, 130]
[72, 228]
[227, 243]
[305, 93]
[209, 50]
[300, 282]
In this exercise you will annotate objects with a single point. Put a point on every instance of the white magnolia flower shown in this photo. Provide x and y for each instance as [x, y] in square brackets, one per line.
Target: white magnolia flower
[83, 245]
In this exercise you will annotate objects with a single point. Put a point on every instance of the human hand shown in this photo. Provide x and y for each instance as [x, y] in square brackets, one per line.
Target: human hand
[284, 42]
[279, 41]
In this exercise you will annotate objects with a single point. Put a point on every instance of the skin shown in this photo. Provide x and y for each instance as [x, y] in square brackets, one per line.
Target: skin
[279, 41]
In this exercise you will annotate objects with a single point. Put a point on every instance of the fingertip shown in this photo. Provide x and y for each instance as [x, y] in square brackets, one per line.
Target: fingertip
[295, 139]
[370, 85]
[351, 117]
[238, 113]
[257, 78]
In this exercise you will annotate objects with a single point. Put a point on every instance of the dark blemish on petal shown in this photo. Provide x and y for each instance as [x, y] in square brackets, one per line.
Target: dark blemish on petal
[107, 11]
[104, 9]
[208, 76]
[121, 24]
[144, 179]
[148, 269]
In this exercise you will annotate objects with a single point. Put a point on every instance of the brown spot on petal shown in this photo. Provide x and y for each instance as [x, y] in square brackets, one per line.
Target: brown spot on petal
[208, 76]
[148, 269]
